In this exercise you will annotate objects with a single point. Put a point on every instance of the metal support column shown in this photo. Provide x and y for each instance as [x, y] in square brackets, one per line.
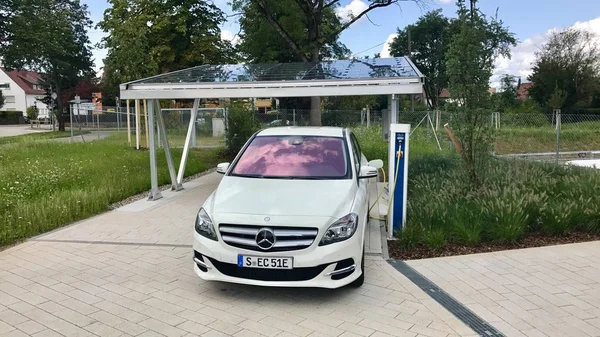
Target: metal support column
[188, 142]
[163, 135]
[394, 109]
[154, 192]
[128, 125]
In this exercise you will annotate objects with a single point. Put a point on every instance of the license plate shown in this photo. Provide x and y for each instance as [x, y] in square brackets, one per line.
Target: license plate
[265, 262]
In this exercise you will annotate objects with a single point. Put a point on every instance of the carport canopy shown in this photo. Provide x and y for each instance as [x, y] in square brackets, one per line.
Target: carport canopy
[378, 76]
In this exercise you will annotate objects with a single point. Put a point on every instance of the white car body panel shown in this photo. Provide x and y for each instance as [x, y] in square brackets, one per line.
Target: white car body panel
[289, 203]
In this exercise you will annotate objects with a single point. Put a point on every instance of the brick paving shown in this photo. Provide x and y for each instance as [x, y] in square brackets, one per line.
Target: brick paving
[129, 273]
[547, 291]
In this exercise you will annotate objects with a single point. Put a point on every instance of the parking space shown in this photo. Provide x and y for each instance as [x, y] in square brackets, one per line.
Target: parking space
[547, 291]
[129, 272]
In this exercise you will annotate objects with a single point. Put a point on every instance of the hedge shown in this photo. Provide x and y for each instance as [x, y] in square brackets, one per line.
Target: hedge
[10, 117]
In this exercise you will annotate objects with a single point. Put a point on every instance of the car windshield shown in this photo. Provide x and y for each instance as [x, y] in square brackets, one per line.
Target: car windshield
[302, 157]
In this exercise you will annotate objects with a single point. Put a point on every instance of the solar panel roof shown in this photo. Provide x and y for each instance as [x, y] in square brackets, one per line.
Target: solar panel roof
[395, 67]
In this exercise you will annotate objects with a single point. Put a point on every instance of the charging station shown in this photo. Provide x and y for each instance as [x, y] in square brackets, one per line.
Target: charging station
[398, 181]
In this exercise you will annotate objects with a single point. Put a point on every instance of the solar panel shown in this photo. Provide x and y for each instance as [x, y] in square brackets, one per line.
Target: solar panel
[395, 67]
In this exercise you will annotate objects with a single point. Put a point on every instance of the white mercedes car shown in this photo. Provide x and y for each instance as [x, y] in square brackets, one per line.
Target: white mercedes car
[290, 211]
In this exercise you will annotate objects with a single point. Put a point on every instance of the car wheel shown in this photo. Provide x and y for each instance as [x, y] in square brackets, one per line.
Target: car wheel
[361, 279]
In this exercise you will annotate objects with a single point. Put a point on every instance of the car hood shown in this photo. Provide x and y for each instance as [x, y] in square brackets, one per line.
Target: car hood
[298, 197]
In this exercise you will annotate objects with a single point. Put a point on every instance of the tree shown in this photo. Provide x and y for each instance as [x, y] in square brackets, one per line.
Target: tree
[429, 39]
[470, 63]
[315, 24]
[570, 62]
[508, 95]
[1, 99]
[58, 47]
[156, 36]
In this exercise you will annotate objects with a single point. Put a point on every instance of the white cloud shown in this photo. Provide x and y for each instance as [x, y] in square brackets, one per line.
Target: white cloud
[385, 50]
[523, 55]
[230, 36]
[351, 10]
[446, 2]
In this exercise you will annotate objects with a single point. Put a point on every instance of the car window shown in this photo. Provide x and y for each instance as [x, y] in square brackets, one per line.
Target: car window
[357, 152]
[303, 157]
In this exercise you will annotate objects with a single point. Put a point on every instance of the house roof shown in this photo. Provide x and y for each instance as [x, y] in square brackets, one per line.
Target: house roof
[26, 80]
[445, 93]
[523, 90]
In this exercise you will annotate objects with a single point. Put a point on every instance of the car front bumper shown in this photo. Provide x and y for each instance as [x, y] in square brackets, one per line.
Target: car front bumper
[331, 266]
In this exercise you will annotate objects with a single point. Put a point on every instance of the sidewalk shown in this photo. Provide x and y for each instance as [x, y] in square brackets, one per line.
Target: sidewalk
[129, 272]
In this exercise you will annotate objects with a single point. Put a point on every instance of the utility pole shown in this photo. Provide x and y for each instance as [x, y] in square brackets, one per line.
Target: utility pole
[412, 97]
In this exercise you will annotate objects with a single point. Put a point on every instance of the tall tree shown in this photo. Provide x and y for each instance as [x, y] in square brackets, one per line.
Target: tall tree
[508, 94]
[314, 23]
[146, 37]
[58, 47]
[429, 38]
[569, 64]
[1, 99]
[470, 62]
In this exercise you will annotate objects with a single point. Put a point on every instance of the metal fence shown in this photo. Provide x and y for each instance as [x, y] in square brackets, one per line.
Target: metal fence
[552, 136]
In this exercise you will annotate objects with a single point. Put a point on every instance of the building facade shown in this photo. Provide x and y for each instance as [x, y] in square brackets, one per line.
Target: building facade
[22, 89]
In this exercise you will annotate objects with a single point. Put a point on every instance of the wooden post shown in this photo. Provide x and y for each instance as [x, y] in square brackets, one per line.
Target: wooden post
[453, 138]
[146, 119]
[138, 124]
[128, 125]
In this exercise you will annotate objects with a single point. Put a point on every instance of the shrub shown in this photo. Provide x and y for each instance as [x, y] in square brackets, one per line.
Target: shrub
[434, 239]
[506, 220]
[32, 112]
[239, 127]
[465, 223]
[410, 236]
[10, 117]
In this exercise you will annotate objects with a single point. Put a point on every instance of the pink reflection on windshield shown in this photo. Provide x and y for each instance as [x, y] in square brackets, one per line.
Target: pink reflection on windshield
[281, 156]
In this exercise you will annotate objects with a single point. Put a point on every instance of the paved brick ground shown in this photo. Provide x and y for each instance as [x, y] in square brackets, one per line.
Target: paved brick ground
[549, 291]
[107, 277]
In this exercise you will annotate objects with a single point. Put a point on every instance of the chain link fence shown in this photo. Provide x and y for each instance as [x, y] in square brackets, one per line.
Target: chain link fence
[552, 136]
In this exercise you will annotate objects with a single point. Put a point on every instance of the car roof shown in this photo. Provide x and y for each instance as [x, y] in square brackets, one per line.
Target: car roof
[326, 131]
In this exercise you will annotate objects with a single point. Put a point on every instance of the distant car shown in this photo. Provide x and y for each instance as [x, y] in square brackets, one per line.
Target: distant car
[278, 122]
[291, 211]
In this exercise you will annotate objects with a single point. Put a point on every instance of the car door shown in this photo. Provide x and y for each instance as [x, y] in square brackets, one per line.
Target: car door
[362, 195]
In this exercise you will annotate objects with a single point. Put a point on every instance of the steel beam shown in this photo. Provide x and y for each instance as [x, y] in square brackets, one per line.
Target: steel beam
[162, 132]
[188, 142]
[154, 191]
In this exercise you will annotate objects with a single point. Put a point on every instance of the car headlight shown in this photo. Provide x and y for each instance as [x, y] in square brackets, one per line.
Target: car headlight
[204, 225]
[340, 230]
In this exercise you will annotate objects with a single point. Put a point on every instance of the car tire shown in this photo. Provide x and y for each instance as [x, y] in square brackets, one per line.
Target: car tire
[361, 279]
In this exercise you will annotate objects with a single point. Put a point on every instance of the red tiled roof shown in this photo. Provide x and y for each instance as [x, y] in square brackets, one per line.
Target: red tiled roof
[25, 80]
[523, 90]
[445, 93]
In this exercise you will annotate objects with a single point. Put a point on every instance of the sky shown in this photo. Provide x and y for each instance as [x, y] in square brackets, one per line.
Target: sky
[530, 20]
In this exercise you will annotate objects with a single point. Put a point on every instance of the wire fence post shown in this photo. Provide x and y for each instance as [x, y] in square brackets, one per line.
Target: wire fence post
[558, 124]
[98, 124]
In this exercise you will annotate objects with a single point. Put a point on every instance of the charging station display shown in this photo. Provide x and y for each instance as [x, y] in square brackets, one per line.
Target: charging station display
[398, 169]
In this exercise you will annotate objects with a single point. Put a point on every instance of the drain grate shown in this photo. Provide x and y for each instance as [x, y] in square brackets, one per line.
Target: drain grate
[461, 312]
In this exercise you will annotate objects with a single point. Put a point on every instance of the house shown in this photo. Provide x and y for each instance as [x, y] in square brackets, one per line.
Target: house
[22, 89]
[523, 91]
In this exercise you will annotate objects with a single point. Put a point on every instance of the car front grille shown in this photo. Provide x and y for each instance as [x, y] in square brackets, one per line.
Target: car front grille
[286, 238]
[272, 275]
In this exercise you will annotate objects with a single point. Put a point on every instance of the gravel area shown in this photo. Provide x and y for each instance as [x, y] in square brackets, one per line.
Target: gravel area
[165, 187]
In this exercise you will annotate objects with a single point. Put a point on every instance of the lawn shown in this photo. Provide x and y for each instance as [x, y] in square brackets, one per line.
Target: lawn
[38, 136]
[45, 185]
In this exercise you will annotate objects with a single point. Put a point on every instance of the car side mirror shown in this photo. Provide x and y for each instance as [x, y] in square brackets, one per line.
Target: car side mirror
[377, 163]
[222, 168]
[367, 172]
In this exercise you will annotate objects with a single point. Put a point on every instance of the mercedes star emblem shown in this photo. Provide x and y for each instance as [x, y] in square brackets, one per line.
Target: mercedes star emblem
[265, 238]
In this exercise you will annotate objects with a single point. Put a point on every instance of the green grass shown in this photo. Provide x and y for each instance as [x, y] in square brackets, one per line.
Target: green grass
[45, 185]
[38, 136]
[517, 197]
